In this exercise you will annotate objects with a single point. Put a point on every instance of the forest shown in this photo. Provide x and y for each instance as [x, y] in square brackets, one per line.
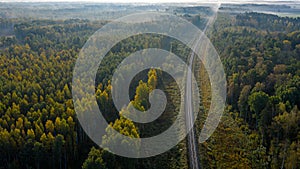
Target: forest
[260, 127]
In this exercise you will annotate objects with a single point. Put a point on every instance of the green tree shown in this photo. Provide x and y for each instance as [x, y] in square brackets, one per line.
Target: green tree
[242, 102]
[257, 102]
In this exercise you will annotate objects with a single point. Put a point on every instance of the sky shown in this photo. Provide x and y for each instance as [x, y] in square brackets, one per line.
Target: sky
[154, 1]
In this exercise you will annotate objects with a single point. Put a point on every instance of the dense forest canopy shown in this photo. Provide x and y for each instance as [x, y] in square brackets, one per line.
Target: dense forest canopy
[260, 127]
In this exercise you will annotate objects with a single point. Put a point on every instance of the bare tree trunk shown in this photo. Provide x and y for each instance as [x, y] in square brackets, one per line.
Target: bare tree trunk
[65, 159]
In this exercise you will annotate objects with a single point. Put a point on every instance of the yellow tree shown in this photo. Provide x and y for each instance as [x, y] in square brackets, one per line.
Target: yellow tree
[152, 79]
[126, 127]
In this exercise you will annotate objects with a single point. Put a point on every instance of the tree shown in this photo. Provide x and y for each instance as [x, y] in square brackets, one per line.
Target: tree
[124, 127]
[293, 158]
[152, 79]
[257, 102]
[94, 160]
[30, 134]
[290, 91]
[242, 103]
[49, 126]
[141, 97]
[57, 148]
[19, 123]
[38, 150]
